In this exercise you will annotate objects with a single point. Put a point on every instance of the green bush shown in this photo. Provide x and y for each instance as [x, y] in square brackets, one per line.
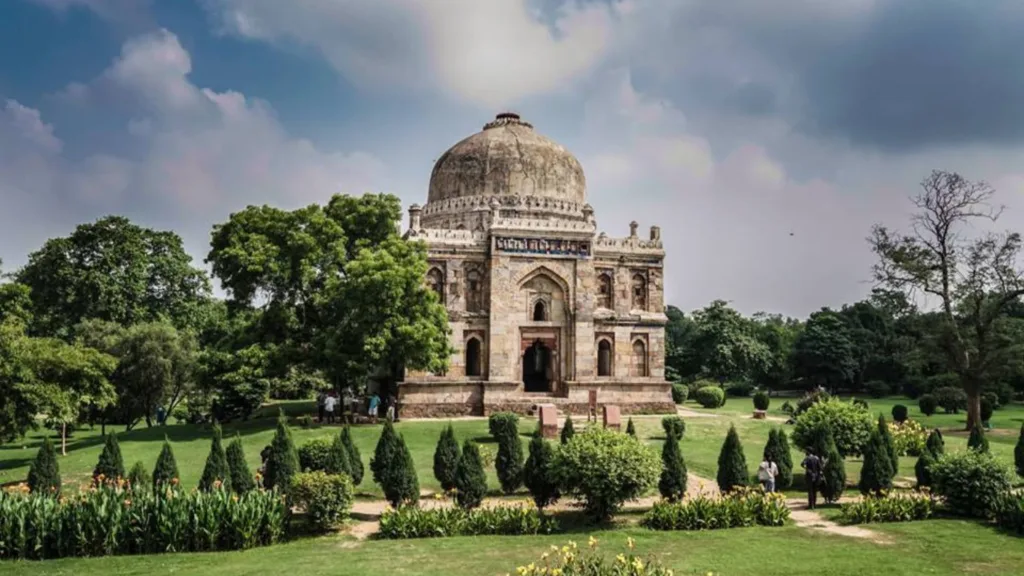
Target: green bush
[777, 450]
[908, 438]
[338, 461]
[987, 408]
[166, 470]
[679, 393]
[326, 498]
[936, 444]
[567, 430]
[138, 476]
[993, 400]
[951, 399]
[876, 474]
[732, 464]
[733, 510]
[1018, 453]
[927, 404]
[242, 480]
[889, 446]
[761, 400]
[509, 462]
[877, 389]
[673, 426]
[630, 428]
[895, 507]
[604, 469]
[446, 458]
[98, 522]
[833, 481]
[977, 440]
[110, 465]
[44, 472]
[861, 403]
[470, 479]
[1009, 512]
[850, 425]
[710, 396]
[355, 460]
[672, 484]
[739, 389]
[810, 399]
[515, 520]
[502, 421]
[970, 482]
[537, 474]
[899, 413]
[923, 469]
[393, 468]
[315, 455]
[216, 469]
[283, 461]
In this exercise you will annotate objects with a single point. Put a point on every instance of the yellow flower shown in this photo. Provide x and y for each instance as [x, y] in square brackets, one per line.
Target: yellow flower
[572, 544]
[621, 558]
[554, 548]
[631, 543]
[556, 572]
[592, 542]
[638, 564]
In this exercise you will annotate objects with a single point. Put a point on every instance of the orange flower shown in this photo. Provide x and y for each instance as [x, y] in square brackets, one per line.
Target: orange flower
[174, 481]
[216, 484]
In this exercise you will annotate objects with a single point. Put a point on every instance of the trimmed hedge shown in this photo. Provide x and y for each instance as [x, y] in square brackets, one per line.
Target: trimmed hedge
[894, 507]
[710, 396]
[412, 522]
[326, 498]
[736, 509]
[679, 393]
[970, 482]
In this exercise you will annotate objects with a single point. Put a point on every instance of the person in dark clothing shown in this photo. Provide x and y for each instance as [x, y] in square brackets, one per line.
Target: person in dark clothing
[321, 399]
[813, 467]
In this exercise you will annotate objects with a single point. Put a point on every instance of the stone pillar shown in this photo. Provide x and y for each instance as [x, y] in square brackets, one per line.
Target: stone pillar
[414, 217]
[632, 229]
[655, 233]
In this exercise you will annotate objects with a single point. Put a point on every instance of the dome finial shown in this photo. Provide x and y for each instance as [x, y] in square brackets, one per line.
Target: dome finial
[507, 119]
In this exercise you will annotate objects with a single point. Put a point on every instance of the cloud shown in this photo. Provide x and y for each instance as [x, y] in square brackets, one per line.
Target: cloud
[493, 53]
[194, 155]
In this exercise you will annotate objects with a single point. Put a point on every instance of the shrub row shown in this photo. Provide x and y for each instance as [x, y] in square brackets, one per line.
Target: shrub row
[413, 522]
[890, 507]
[735, 509]
[1009, 513]
[113, 519]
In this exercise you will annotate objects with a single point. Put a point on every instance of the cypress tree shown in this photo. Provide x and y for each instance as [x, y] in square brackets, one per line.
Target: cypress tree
[470, 479]
[509, 462]
[936, 444]
[355, 459]
[630, 429]
[673, 426]
[876, 474]
[242, 480]
[834, 470]
[110, 464]
[732, 464]
[777, 450]
[1018, 453]
[537, 472]
[139, 476]
[567, 429]
[977, 440]
[923, 468]
[888, 445]
[384, 453]
[44, 473]
[393, 468]
[338, 461]
[216, 464]
[446, 458]
[166, 470]
[283, 460]
[672, 484]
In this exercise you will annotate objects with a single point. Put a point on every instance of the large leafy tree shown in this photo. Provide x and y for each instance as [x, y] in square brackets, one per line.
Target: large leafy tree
[974, 278]
[778, 335]
[823, 354]
[112, 270]
[680, 363]
[726, 344]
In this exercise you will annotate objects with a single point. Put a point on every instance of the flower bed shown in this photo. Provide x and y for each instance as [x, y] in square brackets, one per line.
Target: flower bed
[116, 520]
[739, 508]
[571, 560]
[413, 522]
[891, 507]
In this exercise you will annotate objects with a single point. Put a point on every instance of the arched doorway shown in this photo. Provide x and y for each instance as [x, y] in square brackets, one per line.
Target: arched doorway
[537, 368]
[604, 358]
[540, 313]
[473, 357]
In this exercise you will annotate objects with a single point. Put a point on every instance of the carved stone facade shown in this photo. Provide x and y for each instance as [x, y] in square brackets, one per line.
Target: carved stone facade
[542, 308]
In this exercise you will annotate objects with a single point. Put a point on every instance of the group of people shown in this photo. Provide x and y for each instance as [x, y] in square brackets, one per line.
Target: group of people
[329, 405]
[813, 465]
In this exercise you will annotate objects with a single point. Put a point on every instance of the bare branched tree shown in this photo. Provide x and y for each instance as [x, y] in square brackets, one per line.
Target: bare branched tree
[974, 280]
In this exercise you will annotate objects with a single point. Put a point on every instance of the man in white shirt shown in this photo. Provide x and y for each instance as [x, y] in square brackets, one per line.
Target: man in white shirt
[766, 474]
[329, 403]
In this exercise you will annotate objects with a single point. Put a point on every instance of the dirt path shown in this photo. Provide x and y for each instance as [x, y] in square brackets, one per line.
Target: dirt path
[812, 520]
[694, 413]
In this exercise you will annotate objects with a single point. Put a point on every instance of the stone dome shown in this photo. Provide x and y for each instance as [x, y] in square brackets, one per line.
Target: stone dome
[508, 158]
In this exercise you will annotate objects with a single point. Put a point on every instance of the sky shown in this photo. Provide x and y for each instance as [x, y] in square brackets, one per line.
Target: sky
[764, 138]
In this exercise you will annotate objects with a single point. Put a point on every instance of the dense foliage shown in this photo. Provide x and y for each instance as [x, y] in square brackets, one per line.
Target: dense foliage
[850, 425]
[216, 473]
[977, 440]
[710, 396]
[970, 482]
[509, 461]
[892, 507]
[672, 484]
[110, 464]
[393, 468]
[732, 463]
[833, 481]
[537, 474]
[505, 520]
[679, 393]
[876, 474]
[745, 507]
[326, 498]
[355, 459]
[242, 480]
[470, 478]
[777, 450]
[761, 400]
[1018, 452]
[166, 470]
[446, 458]
[927, 403]
[315, 454]
[899, 413]
[44, 472]
[568, 431]
[283, 460]
[1009, 512]
[673, 426]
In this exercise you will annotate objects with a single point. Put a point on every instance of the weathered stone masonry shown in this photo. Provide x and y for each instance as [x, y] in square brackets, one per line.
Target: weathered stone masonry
[542, 308]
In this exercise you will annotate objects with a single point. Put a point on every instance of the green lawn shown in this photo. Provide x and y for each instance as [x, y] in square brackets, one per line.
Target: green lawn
[916, 548]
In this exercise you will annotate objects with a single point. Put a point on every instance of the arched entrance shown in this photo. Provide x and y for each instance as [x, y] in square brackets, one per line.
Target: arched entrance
[537, 368]
[473, 357]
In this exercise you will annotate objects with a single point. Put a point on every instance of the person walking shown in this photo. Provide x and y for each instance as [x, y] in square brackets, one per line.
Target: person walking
[392, 405]
[767, 471]
[329, 403]
[321, 399]
[813, 468]
[374, 405]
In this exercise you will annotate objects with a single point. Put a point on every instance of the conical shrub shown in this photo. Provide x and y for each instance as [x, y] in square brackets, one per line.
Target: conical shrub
[935, 444]
[537, 473]
[283, 461]
[110, 465]
[630, 429]
[470, 479]
[732, 464]
[977, 440]
[889, 445]
[1018, 453]
[216, 469]
[567, 429]
[242, 480]
[384, 453]
[166, 470]
[672, 484]
[673, 426]
[446, 458]
[833, 481]
[44, 473]
[876, 473]
[923, 468]
[777, 450]
[509, 462]
[138, 476]
[355, 459]
[337, 462]
[393, 468]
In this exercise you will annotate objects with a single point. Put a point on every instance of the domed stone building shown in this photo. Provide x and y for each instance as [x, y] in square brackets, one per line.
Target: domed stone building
[542, 308]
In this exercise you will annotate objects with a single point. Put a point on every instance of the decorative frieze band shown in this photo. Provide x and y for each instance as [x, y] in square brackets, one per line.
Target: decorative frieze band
[545, 246]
